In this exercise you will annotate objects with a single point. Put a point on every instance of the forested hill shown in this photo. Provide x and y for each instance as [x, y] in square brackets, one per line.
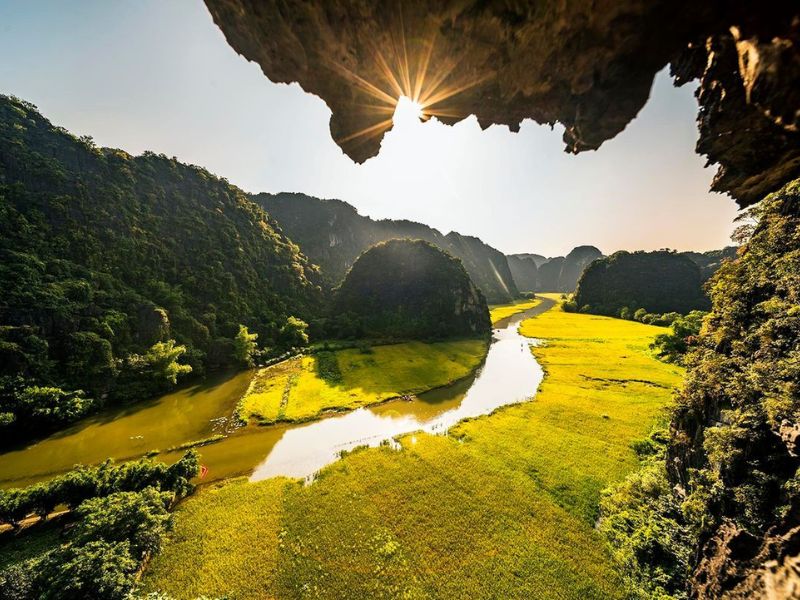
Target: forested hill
[659, 282]
[408, 289]
[105, 254]
[534, 272]
[332, 234]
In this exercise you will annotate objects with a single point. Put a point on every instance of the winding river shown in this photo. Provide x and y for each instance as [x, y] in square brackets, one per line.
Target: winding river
[509, 374]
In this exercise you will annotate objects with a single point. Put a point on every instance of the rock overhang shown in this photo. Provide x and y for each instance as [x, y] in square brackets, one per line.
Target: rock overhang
[587, 64]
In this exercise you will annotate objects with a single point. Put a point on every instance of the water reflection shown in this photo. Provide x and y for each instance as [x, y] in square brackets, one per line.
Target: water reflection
[509, 375]
[122, 433]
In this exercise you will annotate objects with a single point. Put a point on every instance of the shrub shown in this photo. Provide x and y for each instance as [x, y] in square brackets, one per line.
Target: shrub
[245, 347]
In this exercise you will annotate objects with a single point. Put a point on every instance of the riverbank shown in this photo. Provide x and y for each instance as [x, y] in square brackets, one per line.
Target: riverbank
[303, 388]
[504, 506]
[297, 390]
[498, 312]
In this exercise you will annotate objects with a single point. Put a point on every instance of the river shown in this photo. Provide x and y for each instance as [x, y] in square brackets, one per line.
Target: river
[509, 374]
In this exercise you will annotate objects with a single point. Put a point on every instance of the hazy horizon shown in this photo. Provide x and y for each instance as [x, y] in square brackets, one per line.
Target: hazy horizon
[160, 76]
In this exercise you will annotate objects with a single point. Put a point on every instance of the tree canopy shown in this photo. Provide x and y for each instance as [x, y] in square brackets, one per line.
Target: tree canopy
[122, 273]
[412, 289]
[658, 282]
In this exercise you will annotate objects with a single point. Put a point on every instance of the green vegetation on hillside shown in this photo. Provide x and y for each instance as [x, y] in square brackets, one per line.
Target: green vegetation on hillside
[410, 289]
[502, 507]
[728, 477]
[119, 273]
[333, 235]
[684, 329]
[302, 388]
[658, 282]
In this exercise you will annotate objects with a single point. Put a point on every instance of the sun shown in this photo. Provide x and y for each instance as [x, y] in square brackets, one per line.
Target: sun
[407, 112]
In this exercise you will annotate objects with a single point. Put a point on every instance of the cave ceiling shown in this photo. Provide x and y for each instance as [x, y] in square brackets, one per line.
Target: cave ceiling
[586, 64]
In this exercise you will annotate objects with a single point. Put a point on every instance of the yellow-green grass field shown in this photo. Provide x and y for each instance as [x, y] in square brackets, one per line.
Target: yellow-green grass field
[498, 312]
[503, 507]
[302, 388]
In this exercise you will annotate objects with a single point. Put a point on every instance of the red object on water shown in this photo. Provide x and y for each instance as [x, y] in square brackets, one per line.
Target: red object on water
[203, 471]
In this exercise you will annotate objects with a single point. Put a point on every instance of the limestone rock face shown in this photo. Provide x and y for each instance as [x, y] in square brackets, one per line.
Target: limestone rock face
[524, 272]
[574, 264]
[587, 64]
[739, 566]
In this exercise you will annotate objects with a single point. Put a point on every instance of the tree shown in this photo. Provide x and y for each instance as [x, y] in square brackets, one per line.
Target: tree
[53, 405]
[97, 569]
[294, 334]
[162, 361]
[90, 358]
[245, 347]
[673, 346]
[140, 518]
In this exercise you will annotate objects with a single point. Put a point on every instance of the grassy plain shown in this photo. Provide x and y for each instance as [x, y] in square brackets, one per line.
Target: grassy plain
[503, 507]
[301, 388]
[498, 312]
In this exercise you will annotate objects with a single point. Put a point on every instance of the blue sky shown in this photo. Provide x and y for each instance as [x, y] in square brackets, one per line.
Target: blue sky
[158, 75]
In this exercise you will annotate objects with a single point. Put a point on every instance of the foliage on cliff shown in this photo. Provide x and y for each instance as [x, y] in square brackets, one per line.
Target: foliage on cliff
[412, 289]
[332, 234]
[731, 457]
[113, 268]
[658, 282]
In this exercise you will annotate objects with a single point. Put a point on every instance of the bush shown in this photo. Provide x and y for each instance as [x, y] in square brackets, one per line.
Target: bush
[121, 516]
[139, 518]
[84, 483]
[672, 346]
[294, 333]
[105, 568]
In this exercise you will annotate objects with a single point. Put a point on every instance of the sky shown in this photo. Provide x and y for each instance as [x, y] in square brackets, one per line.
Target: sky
[158, 75]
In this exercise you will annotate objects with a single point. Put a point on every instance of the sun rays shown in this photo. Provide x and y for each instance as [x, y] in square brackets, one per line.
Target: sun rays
[416, 70]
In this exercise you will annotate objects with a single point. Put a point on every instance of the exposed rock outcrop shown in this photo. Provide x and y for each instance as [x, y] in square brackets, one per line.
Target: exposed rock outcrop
[524, 272]
[549, 273]
[538, 259]
[561, 273]
[584, 64]
[574, 264]
[738, 565]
